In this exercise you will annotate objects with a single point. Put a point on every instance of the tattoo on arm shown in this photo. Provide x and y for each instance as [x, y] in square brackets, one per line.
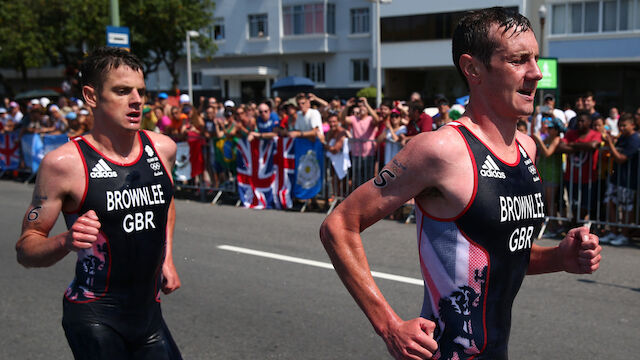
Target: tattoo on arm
[34, 214]
[380, 180]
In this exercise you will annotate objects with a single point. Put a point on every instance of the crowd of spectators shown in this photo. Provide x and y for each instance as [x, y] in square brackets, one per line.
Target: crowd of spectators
[589, 160]
[588, 163]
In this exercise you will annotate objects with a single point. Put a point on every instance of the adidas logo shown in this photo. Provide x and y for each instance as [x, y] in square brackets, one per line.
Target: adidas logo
[102, 170]
[491, 169]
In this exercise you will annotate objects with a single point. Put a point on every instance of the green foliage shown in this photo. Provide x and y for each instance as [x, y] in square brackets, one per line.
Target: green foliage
[38, 33]
[368, 92]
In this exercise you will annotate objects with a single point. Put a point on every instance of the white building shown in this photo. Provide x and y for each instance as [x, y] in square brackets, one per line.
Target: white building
[329, 42]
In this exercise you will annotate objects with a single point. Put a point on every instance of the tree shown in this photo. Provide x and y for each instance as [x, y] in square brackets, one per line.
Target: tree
[159, 28]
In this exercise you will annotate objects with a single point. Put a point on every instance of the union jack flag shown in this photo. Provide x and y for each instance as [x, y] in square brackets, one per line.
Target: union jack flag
[9, 156]
[284, 162]
[256, 174]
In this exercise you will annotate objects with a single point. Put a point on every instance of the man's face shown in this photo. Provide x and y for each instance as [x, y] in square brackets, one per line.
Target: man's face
[550, 103]
[211, 113]
[119, 102]
[385, 111]
[589, 103]
[626, 128]
[584, 123]
[333, 122]
[263, 112]
[304, 104]
[598, 125]
[513, 77]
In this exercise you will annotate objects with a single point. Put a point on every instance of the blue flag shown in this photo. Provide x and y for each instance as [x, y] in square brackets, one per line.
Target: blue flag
[309, 168]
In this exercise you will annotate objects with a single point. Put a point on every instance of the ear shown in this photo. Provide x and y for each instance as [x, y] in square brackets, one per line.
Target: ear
[90, 95]
[470, 68]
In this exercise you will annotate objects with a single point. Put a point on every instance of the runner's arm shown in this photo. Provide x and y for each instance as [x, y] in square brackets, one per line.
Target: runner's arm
[340, 235]
[35, 248]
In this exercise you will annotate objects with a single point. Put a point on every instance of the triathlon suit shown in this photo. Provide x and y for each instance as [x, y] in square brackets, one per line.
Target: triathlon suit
[111, 310]
[473, 264]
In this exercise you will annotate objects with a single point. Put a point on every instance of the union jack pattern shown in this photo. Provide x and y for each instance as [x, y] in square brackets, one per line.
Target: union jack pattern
[9, 155]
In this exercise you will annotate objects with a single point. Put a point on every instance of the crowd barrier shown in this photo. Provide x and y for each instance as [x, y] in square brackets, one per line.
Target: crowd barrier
[276, 173]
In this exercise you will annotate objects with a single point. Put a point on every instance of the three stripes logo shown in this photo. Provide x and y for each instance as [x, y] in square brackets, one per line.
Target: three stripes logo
[102, 170]
[491, 169]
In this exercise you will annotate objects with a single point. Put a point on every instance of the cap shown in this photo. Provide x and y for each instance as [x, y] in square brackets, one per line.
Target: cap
[146, 109]
[163, 95]
[54, 107]
[549, 96]
[229, 103]
[44, 101]
[84, 112]
[34, 102]
[441, 99]
[13, 104]
[184, 98]
[71, 116]
[3, 110]
[79, 102]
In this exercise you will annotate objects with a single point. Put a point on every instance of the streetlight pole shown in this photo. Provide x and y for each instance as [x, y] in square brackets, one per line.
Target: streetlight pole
[190, 34]
[377, 44]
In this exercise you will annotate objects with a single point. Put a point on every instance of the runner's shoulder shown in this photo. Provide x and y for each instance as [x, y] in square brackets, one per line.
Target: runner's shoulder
[163, 143]
[527, 143]
[62, 161]
[445, 144]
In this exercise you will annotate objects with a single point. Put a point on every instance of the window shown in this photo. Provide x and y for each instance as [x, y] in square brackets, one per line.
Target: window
[588, 17]
[360, 70]
[331, 18]
[558, 16]
[609, 15]
[196, 78]
[575, 19]
[258, 26]
[360, 21]
[216, 30]
[307, 19]
[314, 71]
[591, 16]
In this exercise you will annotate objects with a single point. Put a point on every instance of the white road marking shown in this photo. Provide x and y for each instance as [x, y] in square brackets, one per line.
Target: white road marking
[320, 264]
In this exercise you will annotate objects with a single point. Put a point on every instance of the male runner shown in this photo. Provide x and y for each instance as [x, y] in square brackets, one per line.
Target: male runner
[115, 190]
[479, 207]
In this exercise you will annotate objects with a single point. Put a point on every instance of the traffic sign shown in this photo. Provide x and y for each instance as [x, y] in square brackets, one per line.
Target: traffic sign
[118, 36]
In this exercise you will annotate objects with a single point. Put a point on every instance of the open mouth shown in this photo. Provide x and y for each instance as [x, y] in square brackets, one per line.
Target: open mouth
[133, 114]
[526, 92]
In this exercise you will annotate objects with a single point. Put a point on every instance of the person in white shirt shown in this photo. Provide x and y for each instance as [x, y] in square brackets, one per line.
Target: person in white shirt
[548, 106]
[308, 121]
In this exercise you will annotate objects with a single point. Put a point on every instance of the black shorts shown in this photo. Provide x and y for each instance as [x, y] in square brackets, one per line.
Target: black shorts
[93, 339]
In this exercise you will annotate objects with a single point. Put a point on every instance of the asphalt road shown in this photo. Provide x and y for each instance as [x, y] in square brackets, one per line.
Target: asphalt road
[235, 305]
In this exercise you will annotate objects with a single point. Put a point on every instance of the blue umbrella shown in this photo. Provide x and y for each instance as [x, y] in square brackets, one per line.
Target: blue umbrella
[293, 83]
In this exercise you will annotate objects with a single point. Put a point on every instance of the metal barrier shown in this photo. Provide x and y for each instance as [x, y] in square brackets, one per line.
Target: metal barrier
[585, 192]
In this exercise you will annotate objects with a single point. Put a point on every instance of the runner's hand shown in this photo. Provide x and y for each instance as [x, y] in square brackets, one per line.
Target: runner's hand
[580, 251]
[83, 232]
[412, 339]
[170, 278]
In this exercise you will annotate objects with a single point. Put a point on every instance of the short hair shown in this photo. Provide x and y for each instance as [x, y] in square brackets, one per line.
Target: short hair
[521, 123]
[588, 94]
[626, 117]
[471, 35]
[301, 96]
[416, 106]
[266, 102]
[386, 102]
[94, 68]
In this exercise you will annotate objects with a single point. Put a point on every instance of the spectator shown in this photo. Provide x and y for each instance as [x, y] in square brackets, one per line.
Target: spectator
[604, 167]
[149, 120]
[442, 117]
[185, 100]
[415, 96]
[173, 130]
[637, 119]
[363, 124]
[194, 132]
[308, 122]
[75, 128]
[418, 121]
[621, 189]
[581, 146]
[268, 122]
[549, 107]
[392, 135]
[337, 150]
[85, 118]
[4, 118]
[522, 126]
[590, 105]
[549, 166]
[163, 120]
[162, 101]
[611, 123]
[243, 124]
[15, 114]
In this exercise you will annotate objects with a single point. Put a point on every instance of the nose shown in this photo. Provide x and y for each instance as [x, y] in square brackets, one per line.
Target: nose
[136, 99]
[534, 72]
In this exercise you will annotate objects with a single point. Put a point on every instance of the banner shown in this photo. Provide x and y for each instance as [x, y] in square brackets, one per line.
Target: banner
[182, 169]
[32, 151]
[9, 155]
[284, 163]
[309, 164]
[256, 174]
